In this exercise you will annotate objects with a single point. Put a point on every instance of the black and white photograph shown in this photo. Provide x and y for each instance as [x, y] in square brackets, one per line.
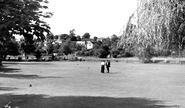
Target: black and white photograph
[92, 53]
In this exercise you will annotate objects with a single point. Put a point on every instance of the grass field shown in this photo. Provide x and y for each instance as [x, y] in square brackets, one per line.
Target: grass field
[81, 85]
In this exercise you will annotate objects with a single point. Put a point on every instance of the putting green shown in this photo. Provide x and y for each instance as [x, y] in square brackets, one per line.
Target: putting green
[153, 81]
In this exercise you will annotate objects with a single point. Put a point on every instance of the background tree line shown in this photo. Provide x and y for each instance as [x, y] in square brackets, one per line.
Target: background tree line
[66, 44]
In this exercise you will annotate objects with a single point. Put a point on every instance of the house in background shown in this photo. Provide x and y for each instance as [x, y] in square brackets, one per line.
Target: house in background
[89, 44]
[100, 39]
[86, 42]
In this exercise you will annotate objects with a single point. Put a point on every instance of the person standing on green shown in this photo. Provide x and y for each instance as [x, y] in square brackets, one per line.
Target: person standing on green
[107, 64]
[102, 66]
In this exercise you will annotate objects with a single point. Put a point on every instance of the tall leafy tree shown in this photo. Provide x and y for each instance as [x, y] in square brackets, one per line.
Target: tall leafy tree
[78, 38]
[64, 37]
[86, 36]
[72, 35]
[23, 17]
[39, 48]
[49, 44]
[65, 48]
[95, 39]
[159, 24]
[11, 47]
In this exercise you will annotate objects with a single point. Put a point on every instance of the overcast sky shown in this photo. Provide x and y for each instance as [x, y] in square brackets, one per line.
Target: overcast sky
[101, 18]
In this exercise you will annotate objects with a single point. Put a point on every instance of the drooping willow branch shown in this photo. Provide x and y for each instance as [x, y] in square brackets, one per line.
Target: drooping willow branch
[159, 23]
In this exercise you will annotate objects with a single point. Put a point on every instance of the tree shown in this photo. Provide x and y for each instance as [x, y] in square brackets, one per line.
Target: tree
[11, 47]
[78, 38]
[97, 45]
[114, 40]
[39, 49]
[159, 25]
[177, 25]
[64, 37]
[27, 47]
[101, 53]
[106, 44]
[23, 17]
[114, 53]
[95, 39]
[56, 48]
[72, 35]
[49, 44]
[72, 32]
[65, 48]
[86, 36]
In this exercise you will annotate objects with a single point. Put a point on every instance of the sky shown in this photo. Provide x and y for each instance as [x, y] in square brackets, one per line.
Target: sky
[101, 18]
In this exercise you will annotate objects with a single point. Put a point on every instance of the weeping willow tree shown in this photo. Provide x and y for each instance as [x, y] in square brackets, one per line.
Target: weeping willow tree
[159, 24]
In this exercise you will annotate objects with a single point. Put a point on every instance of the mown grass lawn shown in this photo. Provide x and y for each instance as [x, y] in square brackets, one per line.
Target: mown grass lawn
[81, 85]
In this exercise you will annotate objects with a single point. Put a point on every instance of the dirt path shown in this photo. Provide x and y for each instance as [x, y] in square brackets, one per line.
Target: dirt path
[152, 81]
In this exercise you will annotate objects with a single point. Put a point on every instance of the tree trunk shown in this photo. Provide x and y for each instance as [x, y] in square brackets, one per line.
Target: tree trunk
[179, 53]
[1, 62]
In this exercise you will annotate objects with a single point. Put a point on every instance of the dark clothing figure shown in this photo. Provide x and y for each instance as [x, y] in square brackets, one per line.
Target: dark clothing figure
[107, 65]
[102, 66]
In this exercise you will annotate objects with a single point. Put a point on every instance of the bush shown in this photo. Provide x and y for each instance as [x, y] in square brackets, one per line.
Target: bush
[115, 53]
[37, 54]
[101, 53]
[128, 54]
[86, 53]
[79, 53]
[166, 53]
[183, 53]
[146, 54]
[19, 58]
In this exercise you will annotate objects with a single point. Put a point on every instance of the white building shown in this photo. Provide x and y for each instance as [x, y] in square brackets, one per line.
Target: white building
[88, 44]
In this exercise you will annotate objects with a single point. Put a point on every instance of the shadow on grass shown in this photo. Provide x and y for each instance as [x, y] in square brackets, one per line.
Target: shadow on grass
[9, 73]
[158, 61]
[4, 69]
[7, 89]
[23, 76]
[113, 73]
[40, 101]
[26, 63]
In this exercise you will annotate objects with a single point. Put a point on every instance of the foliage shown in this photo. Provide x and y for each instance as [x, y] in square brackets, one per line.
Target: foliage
[49, 44]
[72, 35]
[86, 36]
[10, 47]
[70, 47]
[27, 47]
[38, 54]
[95, 39]
[64, 37]
[146, 53]
[114, 41]
[114, 53]
[78, 38]
[165, 53]
[65, 48]
[106, 42]
[23, 17]
[86, 52]
[97, 45]
[159, 25]
[101, 48]
[39, 49]
[128, 54]
[56, 47]
[101, 53]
